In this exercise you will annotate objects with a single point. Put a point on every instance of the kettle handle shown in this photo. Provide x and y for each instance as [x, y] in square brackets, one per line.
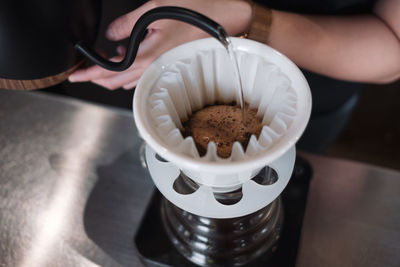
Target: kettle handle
[140, 29]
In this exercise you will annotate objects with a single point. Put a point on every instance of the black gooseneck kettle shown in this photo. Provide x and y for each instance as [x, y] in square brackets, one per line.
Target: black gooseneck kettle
[42, 42]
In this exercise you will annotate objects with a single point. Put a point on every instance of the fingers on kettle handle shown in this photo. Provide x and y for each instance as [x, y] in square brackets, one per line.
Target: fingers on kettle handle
[121, 27]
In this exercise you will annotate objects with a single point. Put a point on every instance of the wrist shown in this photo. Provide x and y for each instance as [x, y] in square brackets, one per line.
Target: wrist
[233, 15]
[244, 16]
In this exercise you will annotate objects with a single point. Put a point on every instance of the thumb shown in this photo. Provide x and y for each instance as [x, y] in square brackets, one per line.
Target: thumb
[121, 27]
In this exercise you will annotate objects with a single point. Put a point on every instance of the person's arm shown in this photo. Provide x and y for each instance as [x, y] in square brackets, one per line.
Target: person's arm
[363, 48]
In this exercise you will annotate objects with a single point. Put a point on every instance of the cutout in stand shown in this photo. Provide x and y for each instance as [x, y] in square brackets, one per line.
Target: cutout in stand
[267, 176]
[159, 158]
[229, 198]
[184, 185]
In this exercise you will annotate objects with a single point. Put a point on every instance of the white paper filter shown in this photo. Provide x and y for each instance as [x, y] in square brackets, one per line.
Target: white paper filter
[189, 84]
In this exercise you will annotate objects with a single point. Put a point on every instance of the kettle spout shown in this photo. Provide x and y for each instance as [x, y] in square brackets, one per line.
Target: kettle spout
[140, 28]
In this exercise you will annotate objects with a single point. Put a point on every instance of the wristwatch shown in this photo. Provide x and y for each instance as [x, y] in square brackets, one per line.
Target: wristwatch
[260, 24]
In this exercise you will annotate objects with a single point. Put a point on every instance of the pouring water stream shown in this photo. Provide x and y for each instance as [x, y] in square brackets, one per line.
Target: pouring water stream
[227, 43]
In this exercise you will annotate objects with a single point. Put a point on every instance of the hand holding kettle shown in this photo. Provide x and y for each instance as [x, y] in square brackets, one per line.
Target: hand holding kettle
[162, 35]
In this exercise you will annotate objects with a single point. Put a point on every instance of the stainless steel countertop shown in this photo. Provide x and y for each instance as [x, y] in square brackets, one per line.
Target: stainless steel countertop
[352, 216]
[73, 191]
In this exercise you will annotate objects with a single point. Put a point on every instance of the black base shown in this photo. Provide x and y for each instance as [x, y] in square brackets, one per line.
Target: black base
[156, 250]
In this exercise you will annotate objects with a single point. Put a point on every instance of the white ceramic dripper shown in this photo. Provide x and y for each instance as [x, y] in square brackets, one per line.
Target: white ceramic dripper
[193, 75]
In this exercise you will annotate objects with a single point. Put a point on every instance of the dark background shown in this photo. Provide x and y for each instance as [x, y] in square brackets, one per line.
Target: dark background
[373, 133]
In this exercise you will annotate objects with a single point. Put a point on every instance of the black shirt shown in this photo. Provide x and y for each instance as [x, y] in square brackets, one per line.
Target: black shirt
[332, 7]
[328, 94]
